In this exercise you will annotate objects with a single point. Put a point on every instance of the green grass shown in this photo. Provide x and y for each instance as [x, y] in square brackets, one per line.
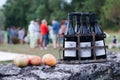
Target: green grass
[25, 49]
[5, 62]
[110, 37]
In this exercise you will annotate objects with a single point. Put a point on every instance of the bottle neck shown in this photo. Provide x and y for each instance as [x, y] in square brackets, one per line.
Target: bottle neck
[84, 20]
[77, 23]
[70, 29]
[70, 20]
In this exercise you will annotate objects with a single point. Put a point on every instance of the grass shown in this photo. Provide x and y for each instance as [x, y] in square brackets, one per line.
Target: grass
[5, 62]
[25, 49]
[110, 37]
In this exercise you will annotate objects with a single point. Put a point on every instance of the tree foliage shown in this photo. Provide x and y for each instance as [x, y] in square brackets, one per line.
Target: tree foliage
[21, 12]
[2, 18]
[112, 10]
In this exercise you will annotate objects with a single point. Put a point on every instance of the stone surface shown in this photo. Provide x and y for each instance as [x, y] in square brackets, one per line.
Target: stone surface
[109, 70]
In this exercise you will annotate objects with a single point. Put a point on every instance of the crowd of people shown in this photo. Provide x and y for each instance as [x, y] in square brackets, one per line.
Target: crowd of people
[13, 35]
[16, 35]
[41, 33]
[38, 35]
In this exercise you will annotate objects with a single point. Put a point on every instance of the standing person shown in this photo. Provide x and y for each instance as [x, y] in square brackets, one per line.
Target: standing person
[37, 32]
[2, 36]
[31, 30]
[50, 33]
[44, 32]
[8, 35]
[62, 31]
[21, 34]
[14, 35]
[55, 28]
[11, 34]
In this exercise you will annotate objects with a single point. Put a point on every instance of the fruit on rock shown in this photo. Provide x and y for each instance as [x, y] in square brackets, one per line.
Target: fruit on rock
[49, 59]
[21, 60]
[35, 60]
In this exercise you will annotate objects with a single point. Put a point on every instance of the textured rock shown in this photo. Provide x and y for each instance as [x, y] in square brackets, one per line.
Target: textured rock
[93, 71]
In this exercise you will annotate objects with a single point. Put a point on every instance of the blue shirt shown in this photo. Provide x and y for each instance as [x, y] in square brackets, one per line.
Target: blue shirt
[114, 40]
[55, 27]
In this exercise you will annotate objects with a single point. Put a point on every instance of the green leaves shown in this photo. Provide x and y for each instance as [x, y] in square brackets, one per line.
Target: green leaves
[21, 12]
[112, 10]
[2, 18]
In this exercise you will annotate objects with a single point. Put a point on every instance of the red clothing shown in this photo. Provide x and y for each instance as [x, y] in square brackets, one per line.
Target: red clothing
[43, 29]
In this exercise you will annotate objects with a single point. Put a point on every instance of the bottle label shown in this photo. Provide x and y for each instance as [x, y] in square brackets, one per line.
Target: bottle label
[70, 53]
[85, 52]
[100, 51]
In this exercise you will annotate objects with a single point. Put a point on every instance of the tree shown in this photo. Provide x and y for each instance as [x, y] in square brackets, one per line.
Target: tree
[112, 11]
[20, 12]
[31, 12]
[94, 6]
[77, 5]
[15, 12]
[2, 18]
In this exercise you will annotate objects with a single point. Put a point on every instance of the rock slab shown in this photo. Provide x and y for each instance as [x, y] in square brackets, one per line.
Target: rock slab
[93, 71]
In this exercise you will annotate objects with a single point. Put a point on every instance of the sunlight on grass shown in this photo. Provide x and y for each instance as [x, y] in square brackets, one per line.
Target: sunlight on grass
[25, 49]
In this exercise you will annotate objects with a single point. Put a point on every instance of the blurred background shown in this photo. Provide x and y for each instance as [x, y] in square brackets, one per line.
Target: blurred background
[19, 13]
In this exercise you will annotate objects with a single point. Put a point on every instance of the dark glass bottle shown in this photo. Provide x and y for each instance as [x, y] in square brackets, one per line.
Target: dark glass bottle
[85, 40]
[78, 24]
[99, 37]
[70, 41]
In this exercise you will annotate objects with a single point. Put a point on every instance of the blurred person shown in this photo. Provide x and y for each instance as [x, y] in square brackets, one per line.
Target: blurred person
[14, 35]
[11, 34]
[8, 35]
[114, 43]
[31, 31]
[65, 21]
[62, 31]
[48, 38]
[14, 32]
[50, 33]
[21, 34]
[37, 32]
[44, 32]
[55, 28]
[115, 40]
[26, 37]
[2, 36]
